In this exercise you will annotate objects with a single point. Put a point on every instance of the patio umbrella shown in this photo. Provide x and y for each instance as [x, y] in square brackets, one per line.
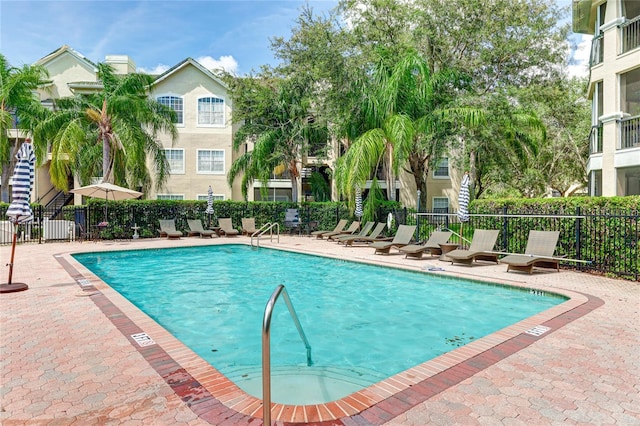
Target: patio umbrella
[209, 209]
[463, 201]
[358, 211]
[107, 191]
[19, 210]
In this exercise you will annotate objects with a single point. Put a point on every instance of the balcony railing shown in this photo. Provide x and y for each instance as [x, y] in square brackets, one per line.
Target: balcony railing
[595, 137]
[630, 132]
[597, 47]
[630, 34]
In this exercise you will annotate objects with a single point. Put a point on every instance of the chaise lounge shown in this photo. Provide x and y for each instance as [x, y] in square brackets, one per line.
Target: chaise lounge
[168, 229]
[339, 227]
[196, 228]
[226, 227]
[432, 245]
[248, 225]
[403, 237]
[374, 236]
[355, 225]
[539, 253]
[481, 248]
[363, 233]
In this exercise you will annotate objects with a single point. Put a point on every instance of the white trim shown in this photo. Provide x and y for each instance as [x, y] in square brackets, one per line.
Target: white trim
[184, 171]
[448, 176]
[206, 172]
[173, 95]
[171, 197]
[224, 111]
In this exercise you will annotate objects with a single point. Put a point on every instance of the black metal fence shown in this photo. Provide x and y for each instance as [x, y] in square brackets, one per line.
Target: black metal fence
[603, 241]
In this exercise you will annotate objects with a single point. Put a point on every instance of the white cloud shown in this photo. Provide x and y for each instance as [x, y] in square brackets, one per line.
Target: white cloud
[579, 58]
[157, 70]
[227, 63]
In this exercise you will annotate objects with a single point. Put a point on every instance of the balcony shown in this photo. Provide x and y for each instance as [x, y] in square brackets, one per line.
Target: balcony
[630, 34]
[597, 47]
[595, 137]
[630, 132]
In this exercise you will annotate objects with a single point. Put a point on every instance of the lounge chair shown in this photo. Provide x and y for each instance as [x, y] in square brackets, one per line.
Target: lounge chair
[481, 248]
[403, 237]
[248, 225]
[168, 229]
[432, 245]
[339, 227]
[374, 236]
[226, 227]
[355, 225]
[539, 252]
[363, 233]
[196, 228]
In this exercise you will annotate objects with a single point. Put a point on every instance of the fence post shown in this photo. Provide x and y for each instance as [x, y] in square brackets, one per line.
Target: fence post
[505, 227]
[41, 222]
[578, 232]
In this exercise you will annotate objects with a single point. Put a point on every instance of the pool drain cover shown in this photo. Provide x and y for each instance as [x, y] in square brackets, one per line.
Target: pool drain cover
[538, 330]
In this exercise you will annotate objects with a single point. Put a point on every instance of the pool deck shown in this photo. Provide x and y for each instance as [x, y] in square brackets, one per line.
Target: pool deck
[67, 355]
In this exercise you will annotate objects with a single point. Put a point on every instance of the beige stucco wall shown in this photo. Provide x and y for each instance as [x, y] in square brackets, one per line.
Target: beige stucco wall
[190, 83]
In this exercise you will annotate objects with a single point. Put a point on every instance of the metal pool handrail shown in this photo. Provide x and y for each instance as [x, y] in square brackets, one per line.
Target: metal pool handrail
[266, 347]
[263, 230]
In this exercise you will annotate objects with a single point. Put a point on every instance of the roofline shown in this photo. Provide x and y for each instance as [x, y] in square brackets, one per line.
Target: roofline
[65, 48]
[184, 63]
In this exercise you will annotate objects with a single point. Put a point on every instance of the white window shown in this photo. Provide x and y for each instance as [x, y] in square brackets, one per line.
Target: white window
[176, 104]
[442, 171]
[440, 204]
[205, 197]
[175, 197]
[175, 157]
[210, 161]
[211, 111]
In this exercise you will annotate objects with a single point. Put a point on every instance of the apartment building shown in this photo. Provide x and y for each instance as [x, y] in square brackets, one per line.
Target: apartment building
[614, 88]
[203, 154]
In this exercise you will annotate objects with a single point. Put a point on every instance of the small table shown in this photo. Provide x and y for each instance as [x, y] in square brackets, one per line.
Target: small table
[446, 248]
[216, 229]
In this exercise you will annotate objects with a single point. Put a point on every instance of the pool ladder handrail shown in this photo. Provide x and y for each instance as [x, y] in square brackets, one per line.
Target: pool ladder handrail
[267, 227]
[266, 347]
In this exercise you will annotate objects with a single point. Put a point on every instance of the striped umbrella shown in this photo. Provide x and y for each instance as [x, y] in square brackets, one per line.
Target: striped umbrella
[209, 209]
[463, 199]
[19, 210]
[358, 211]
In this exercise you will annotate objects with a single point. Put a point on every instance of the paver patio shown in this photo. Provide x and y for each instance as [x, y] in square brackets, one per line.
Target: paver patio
[65, 360]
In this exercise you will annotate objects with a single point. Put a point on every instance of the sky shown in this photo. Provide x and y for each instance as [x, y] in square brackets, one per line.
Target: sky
[156, 35]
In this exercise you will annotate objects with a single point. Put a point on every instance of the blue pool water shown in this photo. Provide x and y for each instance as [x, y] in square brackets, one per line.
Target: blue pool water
[364, 322]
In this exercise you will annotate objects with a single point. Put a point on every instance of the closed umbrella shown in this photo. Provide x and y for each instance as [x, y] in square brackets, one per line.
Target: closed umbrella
[358, 212]
[19, 210]
[463, 201]
[209, 209]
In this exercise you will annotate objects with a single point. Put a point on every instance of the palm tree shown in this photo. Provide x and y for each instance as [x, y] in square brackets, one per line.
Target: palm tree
[280, 121]
[112, 131]
[17, 103]
[410, 113]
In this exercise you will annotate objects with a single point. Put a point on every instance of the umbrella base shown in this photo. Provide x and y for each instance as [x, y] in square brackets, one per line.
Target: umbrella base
[13, 287]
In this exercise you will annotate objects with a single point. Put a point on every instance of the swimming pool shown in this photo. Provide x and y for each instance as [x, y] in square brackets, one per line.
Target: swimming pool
[364, 322]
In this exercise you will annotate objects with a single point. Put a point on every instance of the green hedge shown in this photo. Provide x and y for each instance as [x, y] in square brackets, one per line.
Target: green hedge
[601, 230]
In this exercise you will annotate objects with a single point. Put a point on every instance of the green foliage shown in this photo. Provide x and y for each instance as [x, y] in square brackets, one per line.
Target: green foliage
[112, 133]
[608, 228]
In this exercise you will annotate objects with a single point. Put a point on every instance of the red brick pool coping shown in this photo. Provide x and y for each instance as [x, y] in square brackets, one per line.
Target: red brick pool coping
[219, 401]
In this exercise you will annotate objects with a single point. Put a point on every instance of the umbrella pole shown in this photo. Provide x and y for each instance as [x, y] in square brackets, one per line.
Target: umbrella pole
[13, 252]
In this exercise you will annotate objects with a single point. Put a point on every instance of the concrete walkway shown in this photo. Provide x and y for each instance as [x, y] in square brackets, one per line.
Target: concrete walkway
[65, 357]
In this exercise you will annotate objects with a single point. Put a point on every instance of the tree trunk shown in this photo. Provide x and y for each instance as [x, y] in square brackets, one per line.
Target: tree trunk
[106, 160]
